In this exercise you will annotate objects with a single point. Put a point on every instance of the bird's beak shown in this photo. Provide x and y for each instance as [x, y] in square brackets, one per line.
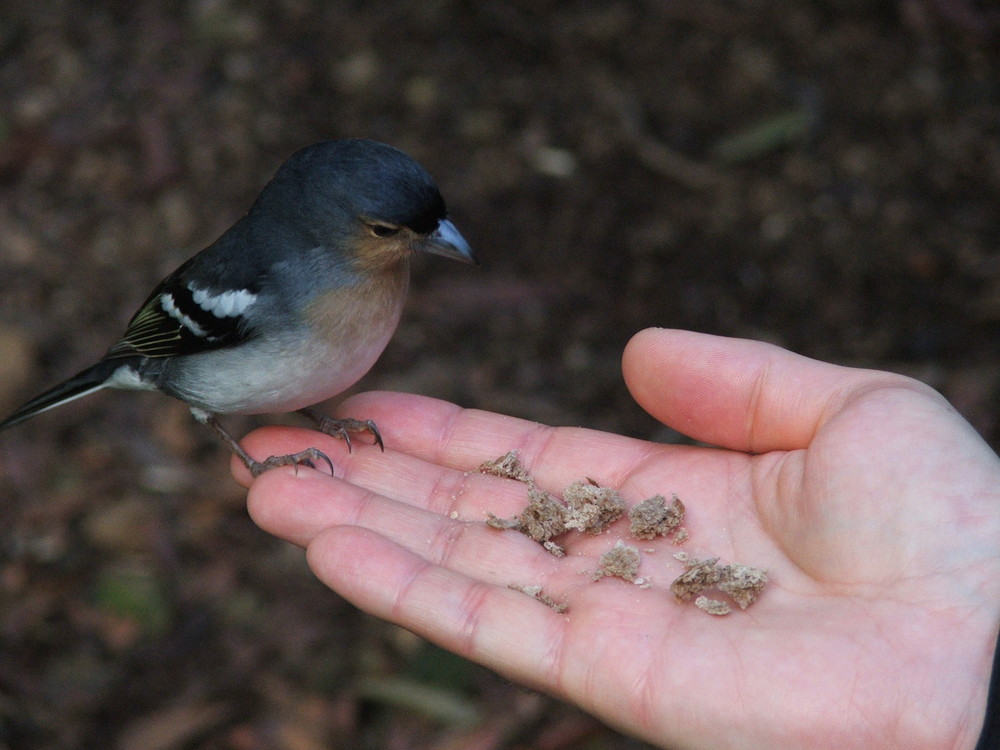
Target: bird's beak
[448, 241]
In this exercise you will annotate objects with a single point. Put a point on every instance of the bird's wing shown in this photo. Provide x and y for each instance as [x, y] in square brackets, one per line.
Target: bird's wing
[181, 317]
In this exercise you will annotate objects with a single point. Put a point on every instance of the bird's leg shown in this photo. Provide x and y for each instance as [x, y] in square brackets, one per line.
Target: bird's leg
[342, 428]
[308, 457]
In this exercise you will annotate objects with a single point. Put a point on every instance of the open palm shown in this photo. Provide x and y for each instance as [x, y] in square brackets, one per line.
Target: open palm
[874, 507]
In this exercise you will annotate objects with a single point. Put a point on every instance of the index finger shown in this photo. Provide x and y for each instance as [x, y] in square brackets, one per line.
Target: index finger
[450, 436]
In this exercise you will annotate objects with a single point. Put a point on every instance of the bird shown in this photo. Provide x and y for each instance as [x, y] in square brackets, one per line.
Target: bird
[288, 307]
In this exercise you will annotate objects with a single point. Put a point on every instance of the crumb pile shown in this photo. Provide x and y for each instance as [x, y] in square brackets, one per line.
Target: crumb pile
[585, 506]
[590, 508]
[742, 583]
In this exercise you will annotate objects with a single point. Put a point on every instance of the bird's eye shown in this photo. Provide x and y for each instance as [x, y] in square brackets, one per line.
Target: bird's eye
[383, 230]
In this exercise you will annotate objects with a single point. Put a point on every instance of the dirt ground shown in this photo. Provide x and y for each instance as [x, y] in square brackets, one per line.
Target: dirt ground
[823, 175]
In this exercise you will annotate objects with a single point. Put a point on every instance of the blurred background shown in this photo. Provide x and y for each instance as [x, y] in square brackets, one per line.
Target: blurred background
[822, 175]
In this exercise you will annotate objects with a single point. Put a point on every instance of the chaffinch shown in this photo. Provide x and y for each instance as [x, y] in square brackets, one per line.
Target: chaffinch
[292, 305]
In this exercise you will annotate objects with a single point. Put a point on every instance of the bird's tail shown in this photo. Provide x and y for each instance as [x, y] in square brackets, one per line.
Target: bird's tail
[92, 379]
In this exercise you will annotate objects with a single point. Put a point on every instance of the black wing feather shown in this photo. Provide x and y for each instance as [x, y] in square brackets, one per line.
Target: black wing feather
[154, 332]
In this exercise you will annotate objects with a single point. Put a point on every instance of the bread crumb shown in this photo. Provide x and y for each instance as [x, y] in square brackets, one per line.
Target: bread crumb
[621, 561]
[712, 606]
[591, 508]
[507, 466]
[535, 592]
[541, 519]
[653, 517]
[554, 548]
[502, 523]
[699, 575]
[743, 583]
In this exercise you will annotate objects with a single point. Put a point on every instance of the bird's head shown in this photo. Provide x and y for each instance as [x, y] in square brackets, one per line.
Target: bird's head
[366, 197]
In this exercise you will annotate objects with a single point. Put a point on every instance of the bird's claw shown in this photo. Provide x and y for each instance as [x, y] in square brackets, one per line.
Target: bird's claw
[342, 428]
[308, 457]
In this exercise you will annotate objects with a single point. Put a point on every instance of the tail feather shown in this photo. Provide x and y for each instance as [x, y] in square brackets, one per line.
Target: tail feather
[92, 379]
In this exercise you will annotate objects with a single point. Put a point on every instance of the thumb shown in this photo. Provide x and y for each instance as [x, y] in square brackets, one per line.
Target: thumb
[738, 394]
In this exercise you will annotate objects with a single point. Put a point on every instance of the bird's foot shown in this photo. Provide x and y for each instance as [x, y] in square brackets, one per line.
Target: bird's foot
[343, 428]
[308, 457]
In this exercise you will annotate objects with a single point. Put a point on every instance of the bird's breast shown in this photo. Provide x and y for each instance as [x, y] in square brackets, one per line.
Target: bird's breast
[360, 311]
[337, 340]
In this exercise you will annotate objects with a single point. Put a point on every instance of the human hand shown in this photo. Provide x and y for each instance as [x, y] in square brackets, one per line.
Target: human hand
[873, 505]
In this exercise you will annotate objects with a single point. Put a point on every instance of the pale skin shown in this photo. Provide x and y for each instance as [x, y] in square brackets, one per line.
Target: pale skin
[873, 505]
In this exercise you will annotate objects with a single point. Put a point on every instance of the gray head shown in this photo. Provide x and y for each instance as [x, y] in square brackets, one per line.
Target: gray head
[340, 192]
